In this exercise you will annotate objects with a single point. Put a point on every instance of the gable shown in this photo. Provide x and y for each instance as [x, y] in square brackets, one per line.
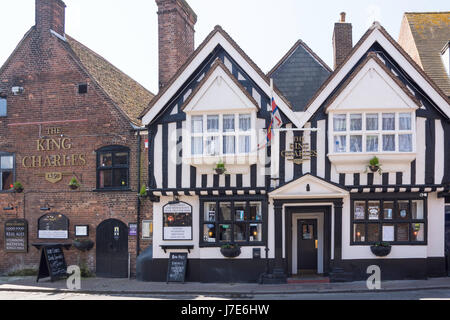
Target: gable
[373, 86]
[309, 186]
[219, 91]
[299, 74]
[377, 35]
[217, 38]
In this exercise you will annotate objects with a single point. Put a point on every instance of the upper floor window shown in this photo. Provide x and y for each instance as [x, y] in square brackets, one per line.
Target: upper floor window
[373, 132]
[6, 171]
[221, 134]
[3, 107]
[113, 167]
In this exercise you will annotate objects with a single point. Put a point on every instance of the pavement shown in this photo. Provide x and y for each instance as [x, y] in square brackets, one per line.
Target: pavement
[238, 290]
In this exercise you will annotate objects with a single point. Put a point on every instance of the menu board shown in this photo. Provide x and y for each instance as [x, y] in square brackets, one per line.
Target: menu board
[177, 267]
[53, 263]
[177, 221]
[16, 235]
[53, 226]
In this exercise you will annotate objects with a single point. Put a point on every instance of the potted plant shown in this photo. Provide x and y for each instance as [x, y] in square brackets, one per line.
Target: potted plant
[381, 249]
[18, 187]
[230, 250]
[73, 184]
[220, 167]
[374, 165]
[83, 244]
[143, 191]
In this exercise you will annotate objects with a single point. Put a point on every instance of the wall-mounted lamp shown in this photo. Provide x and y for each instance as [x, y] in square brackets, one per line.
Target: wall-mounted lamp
[10, 207]
[308, 188]
[46, 207]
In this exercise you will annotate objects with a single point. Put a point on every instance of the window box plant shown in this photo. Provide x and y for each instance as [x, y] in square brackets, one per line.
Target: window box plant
[73, 184]
[381, 249]
[230, 250]
[83, 244]
[18, 187]
[374, 165]
[220, 167]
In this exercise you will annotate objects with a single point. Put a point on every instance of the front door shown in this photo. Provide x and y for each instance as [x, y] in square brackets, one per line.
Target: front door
[307, 245]
[112, 249]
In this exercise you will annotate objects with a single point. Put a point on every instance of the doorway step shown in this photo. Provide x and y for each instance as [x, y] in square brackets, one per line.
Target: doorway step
[308, 278]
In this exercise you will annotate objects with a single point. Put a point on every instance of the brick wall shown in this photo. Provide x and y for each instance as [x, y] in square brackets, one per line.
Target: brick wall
[42, 64]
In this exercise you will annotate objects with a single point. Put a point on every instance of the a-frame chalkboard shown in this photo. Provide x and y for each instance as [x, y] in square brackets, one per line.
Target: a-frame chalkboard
[52, 263]
[177, 267]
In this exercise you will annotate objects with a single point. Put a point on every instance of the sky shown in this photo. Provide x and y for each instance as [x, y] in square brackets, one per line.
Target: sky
[125, 32]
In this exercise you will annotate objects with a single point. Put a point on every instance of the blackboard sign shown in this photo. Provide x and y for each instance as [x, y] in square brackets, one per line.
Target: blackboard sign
[16, 235]
[52, 263]
[53, 226]
[177, 267]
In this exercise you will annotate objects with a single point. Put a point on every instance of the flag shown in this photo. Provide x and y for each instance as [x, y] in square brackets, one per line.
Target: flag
[275, 122]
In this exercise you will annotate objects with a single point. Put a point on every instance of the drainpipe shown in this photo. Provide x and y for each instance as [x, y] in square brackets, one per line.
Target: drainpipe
[138, 198]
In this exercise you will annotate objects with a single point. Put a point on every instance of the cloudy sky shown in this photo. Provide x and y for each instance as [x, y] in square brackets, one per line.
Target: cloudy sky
[125, 31]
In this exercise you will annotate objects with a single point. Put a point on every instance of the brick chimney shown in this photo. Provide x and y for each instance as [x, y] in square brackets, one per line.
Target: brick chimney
[342, 40]
[50, 15]
[176, 22]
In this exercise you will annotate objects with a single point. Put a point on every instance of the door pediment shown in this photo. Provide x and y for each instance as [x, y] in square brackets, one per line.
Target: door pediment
[309, 186]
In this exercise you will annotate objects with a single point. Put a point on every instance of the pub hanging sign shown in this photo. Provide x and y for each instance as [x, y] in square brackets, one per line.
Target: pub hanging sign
[300, 151]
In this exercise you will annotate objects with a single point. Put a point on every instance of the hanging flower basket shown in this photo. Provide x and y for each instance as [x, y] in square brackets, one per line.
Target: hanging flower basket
[374, 168]
[18, 187]
[74, 184]
[83, 245]
[230, 250]
[381, 249]
[220, 168]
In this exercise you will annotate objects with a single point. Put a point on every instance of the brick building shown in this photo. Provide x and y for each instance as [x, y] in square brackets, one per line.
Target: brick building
[68, 113]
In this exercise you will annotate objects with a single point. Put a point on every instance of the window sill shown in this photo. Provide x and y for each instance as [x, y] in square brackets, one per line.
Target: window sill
[234, 164]
[243, 244]
[358, 162]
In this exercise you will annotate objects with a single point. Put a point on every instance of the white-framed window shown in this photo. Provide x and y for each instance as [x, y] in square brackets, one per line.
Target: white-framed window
[3, 107]
[372, 132]
[222, 134]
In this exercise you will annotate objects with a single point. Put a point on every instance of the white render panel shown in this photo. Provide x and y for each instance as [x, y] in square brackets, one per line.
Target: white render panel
[186, 168]
[172, 155]
[289, 165]
[436, 226]
[321, 137]
[439, 158]
[307, 135]
[158, 157]
[421, 151]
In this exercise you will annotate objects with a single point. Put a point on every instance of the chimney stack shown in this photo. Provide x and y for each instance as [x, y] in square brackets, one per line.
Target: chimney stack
[50, 15]
[176, 22]
[342, 40]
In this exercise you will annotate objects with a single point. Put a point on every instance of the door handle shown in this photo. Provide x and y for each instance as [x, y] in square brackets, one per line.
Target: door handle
[316, 243]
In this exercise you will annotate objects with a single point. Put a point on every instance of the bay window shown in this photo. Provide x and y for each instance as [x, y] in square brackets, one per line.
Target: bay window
[397, 221]
[370, 132]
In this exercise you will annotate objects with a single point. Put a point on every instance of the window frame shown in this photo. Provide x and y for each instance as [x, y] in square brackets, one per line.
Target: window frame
[218, 222]
[113, 149]
[364, 133]
[381, 198]
[13, 170]
[6, 104]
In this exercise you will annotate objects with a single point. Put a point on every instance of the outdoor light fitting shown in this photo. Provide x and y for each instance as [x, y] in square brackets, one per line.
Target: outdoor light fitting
[46, 207]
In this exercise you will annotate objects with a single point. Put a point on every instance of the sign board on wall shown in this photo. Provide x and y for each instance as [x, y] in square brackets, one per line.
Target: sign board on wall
[177, 221]
[53, 226]
[16, 235]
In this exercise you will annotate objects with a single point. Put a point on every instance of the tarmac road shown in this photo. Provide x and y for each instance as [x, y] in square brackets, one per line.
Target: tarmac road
[441, 294]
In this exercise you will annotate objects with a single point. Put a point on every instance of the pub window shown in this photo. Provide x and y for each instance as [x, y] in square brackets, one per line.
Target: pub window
[113, 167]
[395, 221]
[239, 222]
[6, 171]
[3, 107]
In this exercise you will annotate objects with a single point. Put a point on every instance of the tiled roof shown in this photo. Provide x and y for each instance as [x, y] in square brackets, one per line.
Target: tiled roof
[126, 93]
[299, 74]
[431, 32]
